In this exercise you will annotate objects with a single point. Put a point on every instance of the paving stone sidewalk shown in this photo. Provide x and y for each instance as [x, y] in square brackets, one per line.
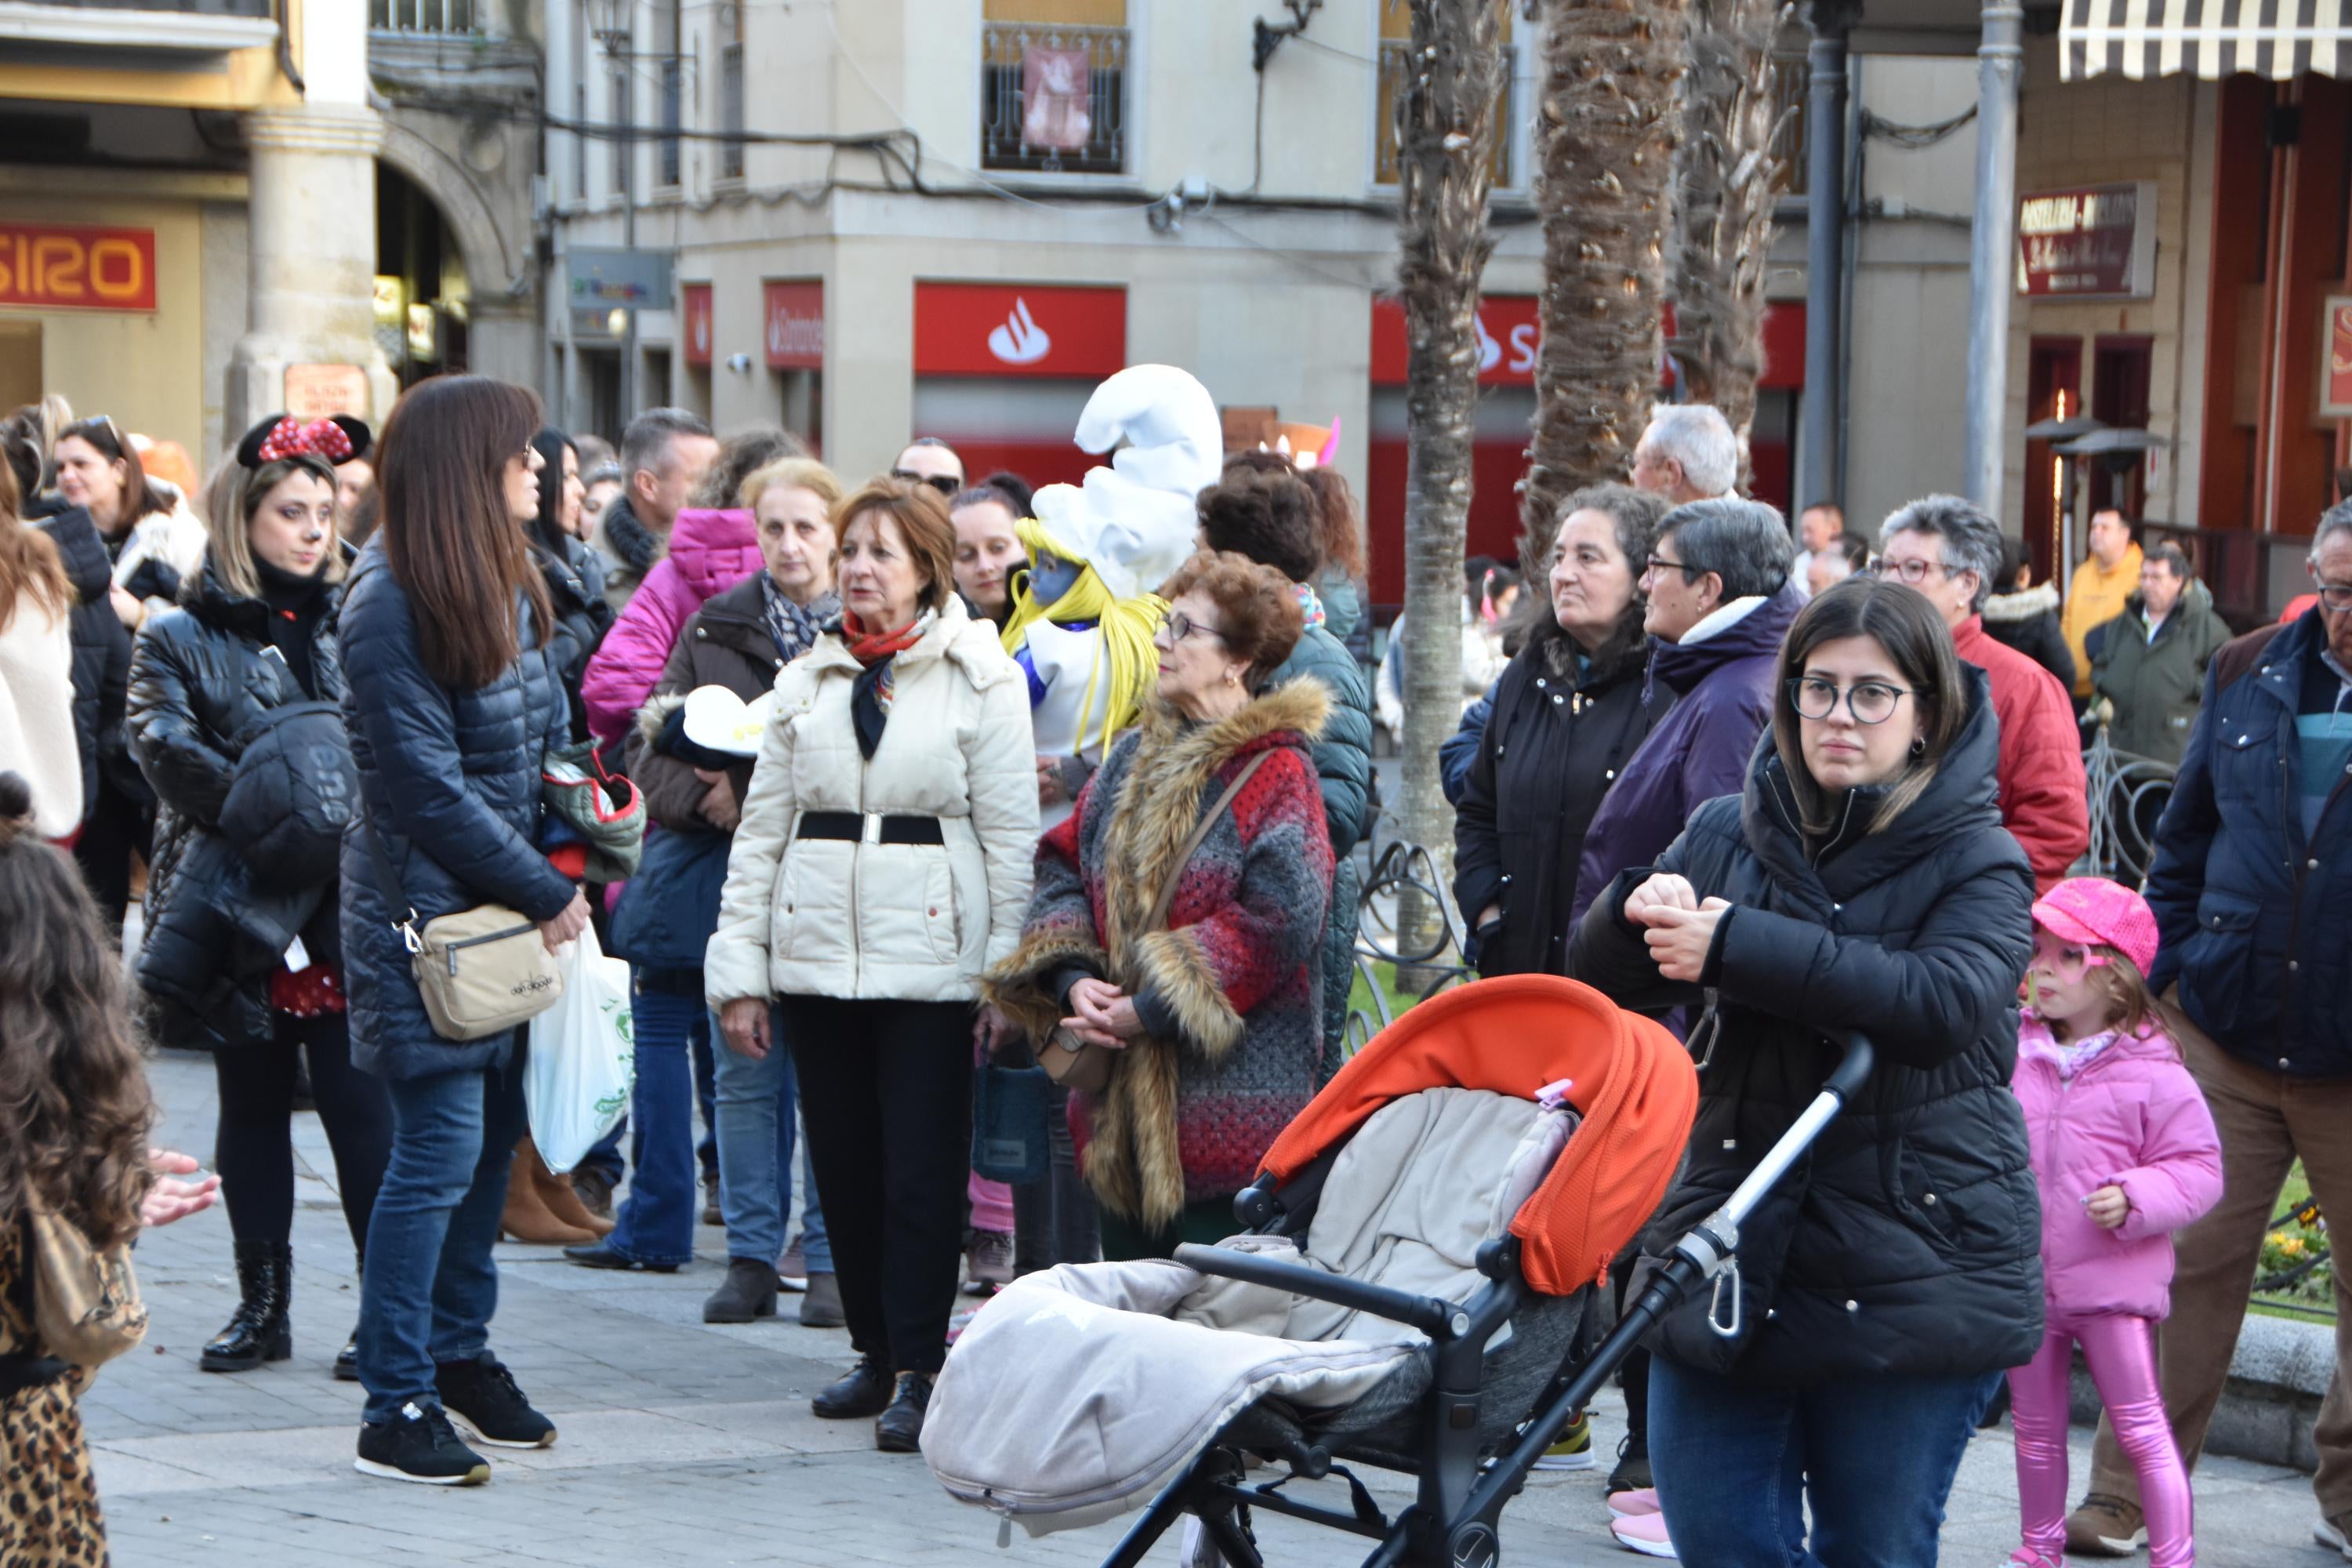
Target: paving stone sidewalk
[688, 1444]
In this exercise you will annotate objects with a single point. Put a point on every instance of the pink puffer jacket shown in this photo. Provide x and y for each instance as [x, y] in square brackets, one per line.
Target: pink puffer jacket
[710, 552]
[2131, 1116]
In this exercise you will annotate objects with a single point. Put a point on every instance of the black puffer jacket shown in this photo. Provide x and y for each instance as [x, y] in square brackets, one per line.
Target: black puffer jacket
[1909, 1240]
[449, 784]
[575, 586]
[101, 643]
[1553, 744]
[204, 678]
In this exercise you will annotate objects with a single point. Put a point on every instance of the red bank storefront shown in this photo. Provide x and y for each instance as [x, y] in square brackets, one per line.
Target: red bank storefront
[1003, 370]
[1508, 335]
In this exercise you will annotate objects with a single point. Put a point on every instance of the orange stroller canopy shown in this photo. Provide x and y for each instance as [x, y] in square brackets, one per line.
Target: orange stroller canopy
[1633, 1086]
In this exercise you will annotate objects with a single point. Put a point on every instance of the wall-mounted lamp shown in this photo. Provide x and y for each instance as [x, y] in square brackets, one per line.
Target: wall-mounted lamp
[740, 363]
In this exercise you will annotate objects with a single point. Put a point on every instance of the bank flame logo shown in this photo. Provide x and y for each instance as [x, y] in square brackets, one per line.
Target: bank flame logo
[1020, 341]
[1490, 352]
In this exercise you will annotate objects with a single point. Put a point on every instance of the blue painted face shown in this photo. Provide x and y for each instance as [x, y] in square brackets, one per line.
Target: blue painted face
[1052, 578]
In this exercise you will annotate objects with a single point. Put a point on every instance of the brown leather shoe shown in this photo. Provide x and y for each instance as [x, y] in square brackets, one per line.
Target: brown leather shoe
[2106, 1526]
[557, 1193]
[528, 1217]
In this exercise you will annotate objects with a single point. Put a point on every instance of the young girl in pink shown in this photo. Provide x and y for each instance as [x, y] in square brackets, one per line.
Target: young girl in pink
[2124, 1152]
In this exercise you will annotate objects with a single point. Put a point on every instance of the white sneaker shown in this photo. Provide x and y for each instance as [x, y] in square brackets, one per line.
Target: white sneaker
[2333, 1534]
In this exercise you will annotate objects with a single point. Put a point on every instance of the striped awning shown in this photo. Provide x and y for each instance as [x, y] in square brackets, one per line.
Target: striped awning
[2143, 39]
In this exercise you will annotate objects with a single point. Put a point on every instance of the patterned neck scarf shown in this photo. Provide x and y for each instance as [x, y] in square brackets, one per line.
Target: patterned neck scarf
[1310, 605]
[793, 627]
[870, 694]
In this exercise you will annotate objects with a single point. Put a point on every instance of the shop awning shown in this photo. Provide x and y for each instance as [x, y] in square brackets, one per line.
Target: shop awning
[2143, 39]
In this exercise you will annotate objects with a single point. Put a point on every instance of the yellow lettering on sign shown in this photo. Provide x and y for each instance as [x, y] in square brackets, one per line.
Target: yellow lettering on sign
[129, 270]
[57, 268]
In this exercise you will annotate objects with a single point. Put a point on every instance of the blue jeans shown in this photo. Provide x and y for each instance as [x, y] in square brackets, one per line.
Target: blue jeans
[655, 1223]
[1873, 1456]
[758, 1103]
[430, 1285]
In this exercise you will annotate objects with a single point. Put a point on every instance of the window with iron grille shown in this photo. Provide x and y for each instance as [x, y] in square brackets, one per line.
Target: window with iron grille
[446, 16]
[1396, 50]
[1052, 91]
[731, 111]
[1792, 74]
[673, 78]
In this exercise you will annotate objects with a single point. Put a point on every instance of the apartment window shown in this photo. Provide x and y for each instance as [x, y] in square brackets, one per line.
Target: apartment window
[1396, 49]
[731, 109]
[672, 66]
[1053, 83]
[1791, 76]
[461, 17]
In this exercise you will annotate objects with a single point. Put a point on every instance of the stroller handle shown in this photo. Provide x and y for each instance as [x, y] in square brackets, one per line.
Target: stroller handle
[1836, 1089]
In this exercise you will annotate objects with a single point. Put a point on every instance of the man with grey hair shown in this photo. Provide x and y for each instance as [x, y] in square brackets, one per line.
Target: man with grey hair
[1721, 600]
[664, 454]
[2148, 664]
[1688, 454]
[2251, 887]
[1950, 551]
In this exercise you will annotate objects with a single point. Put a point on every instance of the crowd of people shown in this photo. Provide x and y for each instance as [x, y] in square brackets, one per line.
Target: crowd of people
[942, 775]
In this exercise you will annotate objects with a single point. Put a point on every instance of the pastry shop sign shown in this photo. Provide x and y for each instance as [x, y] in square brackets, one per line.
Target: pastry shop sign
[77, 267]
[2096, 242]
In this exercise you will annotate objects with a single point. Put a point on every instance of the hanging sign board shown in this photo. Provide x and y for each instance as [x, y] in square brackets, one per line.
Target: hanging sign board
[795, 330]
[2336, 362]
[315, 390]
[2093, 242]
[1005, 329]
[697, 323]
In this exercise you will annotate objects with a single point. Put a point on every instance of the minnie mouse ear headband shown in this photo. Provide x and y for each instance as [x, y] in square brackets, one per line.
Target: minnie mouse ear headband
[338, 438]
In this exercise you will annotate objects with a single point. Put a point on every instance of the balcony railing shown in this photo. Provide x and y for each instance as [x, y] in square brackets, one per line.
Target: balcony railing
[441, 19]
[1052, 99]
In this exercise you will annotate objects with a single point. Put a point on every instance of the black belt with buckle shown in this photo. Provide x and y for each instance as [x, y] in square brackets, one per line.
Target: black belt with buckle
[853, 826]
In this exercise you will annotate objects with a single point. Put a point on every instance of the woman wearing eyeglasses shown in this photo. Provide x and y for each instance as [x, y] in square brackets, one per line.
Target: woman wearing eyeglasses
[1213, 1010]
[1862, 883]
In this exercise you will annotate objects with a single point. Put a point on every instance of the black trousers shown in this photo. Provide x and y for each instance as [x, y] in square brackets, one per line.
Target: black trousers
[254, 1150]
[117, 827]
[886, 1093]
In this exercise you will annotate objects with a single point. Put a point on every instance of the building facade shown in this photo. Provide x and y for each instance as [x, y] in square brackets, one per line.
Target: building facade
[953, 217]
[213, 209]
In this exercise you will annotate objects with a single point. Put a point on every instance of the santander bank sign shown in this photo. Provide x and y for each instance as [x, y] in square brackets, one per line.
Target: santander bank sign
[1019, 329]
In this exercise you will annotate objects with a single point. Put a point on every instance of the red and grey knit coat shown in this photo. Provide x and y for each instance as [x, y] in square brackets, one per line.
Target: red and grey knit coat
[1231, 993]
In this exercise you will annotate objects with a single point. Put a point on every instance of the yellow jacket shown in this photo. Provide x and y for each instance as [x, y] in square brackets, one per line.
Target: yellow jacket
[2095, 596]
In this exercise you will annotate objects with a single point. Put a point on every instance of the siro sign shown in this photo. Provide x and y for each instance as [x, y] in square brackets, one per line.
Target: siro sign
[75, 267]
[2094, 242]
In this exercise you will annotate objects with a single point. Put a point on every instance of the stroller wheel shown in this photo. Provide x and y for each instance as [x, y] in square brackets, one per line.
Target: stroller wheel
[1475, 1545]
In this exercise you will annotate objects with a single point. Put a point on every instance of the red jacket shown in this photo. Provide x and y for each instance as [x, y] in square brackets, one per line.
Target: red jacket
[2044, 797]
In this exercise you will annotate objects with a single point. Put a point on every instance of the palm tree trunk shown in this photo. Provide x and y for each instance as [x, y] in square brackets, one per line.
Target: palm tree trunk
[1729, 174]
[1445, 136]
[1606, 135]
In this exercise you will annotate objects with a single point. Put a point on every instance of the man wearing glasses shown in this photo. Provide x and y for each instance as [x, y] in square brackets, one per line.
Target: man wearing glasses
[927, 460]
[2251, 887]
[1950, 551]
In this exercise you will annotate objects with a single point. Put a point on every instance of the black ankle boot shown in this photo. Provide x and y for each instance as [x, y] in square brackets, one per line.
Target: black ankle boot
[258, 1329]
[347, 1359]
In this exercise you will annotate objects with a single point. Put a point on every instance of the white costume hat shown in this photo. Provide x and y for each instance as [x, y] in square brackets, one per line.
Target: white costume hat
[1135, 521]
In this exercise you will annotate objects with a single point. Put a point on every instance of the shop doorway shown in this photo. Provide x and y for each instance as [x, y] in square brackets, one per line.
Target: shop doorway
[423, 299]
[2119, 398]
[20, 364]
[2053, 391]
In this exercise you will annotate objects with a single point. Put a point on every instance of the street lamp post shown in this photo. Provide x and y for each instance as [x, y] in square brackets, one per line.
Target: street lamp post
[613, 22]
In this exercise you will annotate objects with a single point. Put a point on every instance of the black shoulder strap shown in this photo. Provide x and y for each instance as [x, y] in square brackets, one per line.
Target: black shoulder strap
[387, 881]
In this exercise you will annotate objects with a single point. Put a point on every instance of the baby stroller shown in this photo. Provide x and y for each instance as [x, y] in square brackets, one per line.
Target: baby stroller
[1419, 1251]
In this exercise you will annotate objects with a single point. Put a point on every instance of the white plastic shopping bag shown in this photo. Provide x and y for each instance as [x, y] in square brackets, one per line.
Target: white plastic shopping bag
[582, 1060]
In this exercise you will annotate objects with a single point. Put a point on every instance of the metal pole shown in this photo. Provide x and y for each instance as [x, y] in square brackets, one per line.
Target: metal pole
[1818, 468]
[1991, 258]
[628, 242]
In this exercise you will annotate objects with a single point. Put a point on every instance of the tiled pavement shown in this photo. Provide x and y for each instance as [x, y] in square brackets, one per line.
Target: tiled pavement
[685, 1444]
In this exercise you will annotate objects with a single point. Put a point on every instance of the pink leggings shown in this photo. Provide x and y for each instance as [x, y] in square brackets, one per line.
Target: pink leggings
[2121, 1351]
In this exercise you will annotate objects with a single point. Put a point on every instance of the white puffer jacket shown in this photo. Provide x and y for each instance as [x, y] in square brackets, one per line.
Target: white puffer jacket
[918, 923]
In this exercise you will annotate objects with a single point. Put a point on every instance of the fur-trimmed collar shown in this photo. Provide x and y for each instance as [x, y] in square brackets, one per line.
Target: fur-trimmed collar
[2008, 609]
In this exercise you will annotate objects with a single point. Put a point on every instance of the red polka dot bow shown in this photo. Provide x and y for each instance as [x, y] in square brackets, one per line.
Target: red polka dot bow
[289, 437]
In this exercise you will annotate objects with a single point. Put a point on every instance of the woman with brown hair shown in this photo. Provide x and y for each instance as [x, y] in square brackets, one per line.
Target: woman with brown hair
[37, 692]
[76, 1148]
[227, 693]
[1214, 1010]
[881, 865]
[452, 706]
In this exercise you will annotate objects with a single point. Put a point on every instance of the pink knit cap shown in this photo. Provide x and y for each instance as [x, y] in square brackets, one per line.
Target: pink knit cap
[2096, 911]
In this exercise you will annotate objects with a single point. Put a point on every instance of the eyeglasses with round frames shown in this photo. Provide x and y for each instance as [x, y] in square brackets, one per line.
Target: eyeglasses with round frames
[1869, 701]
[1915, 571]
